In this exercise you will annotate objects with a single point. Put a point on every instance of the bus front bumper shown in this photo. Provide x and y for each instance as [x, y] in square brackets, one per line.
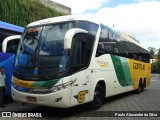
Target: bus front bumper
[59, 99]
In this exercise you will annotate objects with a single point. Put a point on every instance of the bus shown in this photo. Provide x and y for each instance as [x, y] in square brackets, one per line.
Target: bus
[9, 40]
[71, 60]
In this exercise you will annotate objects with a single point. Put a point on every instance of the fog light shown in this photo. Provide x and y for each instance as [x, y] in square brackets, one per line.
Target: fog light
[58, 100]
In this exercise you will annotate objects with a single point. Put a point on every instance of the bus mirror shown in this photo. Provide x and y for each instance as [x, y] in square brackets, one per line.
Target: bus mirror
[7, 40]
[69, 36]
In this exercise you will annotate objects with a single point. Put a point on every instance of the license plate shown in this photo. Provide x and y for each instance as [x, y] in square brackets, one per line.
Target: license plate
[32, 99]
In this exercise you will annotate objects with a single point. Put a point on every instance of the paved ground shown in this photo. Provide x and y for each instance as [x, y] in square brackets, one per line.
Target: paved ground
[149, 100]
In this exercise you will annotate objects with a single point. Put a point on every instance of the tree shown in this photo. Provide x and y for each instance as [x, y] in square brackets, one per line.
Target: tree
[155, 67]
[158, 55]
[152, 52]
[23, 12]
[156, 64]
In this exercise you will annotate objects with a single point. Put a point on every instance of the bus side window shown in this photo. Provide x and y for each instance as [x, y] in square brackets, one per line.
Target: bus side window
[104, 34]
[83, 25]
[108, 49]
[79, 52]
[146, 56]
[103, 45]
[125, 53]
[111, 35]
[121, 49]
[93, 28]
[126, 49]
[12, 46]
[134, 56]
[116, 51]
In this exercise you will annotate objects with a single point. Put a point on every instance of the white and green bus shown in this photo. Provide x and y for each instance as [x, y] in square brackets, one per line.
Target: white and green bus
[70, 60]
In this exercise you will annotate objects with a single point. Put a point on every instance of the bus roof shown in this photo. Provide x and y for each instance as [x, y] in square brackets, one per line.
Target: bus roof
[64, 18]
[11, 27]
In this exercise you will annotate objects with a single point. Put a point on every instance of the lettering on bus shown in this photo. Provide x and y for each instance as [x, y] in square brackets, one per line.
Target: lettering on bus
[139, 66]
[102, 63]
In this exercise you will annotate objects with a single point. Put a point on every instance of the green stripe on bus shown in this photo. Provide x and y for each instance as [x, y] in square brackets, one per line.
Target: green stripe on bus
[46, 84]
[122, 70]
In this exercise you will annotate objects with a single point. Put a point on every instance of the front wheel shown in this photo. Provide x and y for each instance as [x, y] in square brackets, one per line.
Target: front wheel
[98, 97]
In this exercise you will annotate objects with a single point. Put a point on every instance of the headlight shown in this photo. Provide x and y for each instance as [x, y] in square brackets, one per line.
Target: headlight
[62, 86]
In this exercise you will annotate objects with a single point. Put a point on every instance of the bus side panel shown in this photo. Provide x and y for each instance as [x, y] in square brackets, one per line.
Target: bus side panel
[123, 74]
[148, 68]
[102, 70]
[7, 61]
[139, 71]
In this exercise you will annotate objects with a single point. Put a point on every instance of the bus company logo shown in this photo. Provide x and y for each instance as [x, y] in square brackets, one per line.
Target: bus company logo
[81, 96]
[36, 71]
[6, 114]
[102, 63]
[139, 66]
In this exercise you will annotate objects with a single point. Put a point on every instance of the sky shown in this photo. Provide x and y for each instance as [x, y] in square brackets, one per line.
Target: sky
[139, 18]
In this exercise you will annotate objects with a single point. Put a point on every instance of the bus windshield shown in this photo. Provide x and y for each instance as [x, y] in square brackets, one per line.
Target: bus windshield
[44, 47]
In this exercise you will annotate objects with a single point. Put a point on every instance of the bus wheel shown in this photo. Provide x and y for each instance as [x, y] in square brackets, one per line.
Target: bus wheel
[139, 90]
[98, 97]
[143, 85]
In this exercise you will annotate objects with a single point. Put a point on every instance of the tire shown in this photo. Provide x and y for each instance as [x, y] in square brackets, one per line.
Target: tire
[143, 86]
[139, 90]
[99, 95]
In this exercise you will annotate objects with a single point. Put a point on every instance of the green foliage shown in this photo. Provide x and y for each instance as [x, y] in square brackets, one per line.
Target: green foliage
[22, 12]
[155, 67]
[152, 52]
[158, 55]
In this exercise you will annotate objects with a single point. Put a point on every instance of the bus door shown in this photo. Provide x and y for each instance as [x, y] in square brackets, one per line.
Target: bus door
[78, 89]
[79, 92]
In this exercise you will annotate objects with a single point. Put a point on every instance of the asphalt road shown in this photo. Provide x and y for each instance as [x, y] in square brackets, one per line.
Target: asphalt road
[146, 102]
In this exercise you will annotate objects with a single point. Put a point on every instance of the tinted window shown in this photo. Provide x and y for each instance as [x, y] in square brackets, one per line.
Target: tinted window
[145, 55]
[103, 45]
[104, 33]
[127, 49]
[89, 26]
[83, 25]
[12, 46]
[111, 34]
[92, 28]
[120, 47]
[79, 54]
[109, 42]
[82, 50]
